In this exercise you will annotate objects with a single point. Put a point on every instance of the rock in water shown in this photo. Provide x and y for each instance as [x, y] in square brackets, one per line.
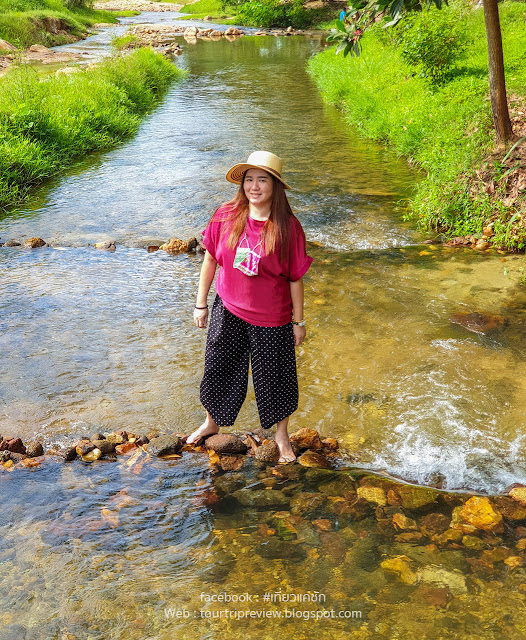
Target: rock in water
[34, 243]
[35, 449]
[261, 498]
[307, 439]
[12, 243]
[268, 452]
[226, 443]
[175, 246]
[109, 245]
[315, 460]
[164, 445]
[481, 323]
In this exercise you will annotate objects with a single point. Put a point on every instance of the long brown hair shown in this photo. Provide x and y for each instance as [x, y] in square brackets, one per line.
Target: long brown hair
[276, 230]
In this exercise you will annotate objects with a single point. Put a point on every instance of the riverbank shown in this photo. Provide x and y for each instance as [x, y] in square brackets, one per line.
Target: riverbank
[46, 125]
[445, 127]
[47, 22]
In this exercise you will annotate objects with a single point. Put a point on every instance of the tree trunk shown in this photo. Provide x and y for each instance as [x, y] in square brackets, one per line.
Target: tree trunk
[497, 82]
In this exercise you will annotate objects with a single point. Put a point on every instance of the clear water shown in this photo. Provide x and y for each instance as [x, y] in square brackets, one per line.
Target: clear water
[93, 340]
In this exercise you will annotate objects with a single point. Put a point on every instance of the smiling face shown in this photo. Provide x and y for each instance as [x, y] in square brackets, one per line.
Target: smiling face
[258, 187]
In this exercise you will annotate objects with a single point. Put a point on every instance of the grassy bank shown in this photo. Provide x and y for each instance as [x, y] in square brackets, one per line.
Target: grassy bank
[264, 13]
[48, 122]
[47, 22]
[444, 127]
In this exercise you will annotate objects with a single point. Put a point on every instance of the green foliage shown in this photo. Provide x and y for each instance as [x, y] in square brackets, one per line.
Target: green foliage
[125, 42]
[47, 22]
[433, 41]
[446, 130]
[362, 14]
[273, 13]
[45, 123]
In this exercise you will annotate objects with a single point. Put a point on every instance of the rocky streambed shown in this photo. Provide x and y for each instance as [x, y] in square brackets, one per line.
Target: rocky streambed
[319, 498]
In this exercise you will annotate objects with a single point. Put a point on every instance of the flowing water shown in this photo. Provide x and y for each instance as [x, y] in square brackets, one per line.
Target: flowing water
[94, 341]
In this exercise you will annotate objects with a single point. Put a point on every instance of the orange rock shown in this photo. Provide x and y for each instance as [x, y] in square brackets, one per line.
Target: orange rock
[322, 524]
[521, 544]
[519, 494]
[513, 561]
[402, 522]
[330, 444]
[479, 513]
[125, 447]
[29, 462]
[307, 439]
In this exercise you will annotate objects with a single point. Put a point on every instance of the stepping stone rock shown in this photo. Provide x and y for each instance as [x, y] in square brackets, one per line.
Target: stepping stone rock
[226, 443]
[34, 243]
[35, 449]
[307, 439]
[165, 445]
[268, 452]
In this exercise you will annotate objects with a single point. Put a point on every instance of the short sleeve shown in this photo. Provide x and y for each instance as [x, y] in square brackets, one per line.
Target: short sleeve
[210, 238]
[299, 261]
[212, 233]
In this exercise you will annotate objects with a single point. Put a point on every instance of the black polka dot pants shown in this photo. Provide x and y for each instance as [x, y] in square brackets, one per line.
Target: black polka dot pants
[230, 344]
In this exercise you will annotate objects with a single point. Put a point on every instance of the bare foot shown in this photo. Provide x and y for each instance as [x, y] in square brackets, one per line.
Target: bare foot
[286, 454]
[208, 428]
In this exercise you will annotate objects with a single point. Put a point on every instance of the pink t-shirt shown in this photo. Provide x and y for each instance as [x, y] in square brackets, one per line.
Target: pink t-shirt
[264, 299]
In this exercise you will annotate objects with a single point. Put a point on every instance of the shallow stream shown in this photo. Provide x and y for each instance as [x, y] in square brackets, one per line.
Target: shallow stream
[94, 341]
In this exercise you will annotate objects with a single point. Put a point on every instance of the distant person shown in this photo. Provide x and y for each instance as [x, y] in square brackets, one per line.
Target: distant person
[257, 314]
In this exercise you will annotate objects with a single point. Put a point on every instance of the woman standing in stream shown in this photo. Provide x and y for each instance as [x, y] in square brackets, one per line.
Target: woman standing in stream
[257, 315]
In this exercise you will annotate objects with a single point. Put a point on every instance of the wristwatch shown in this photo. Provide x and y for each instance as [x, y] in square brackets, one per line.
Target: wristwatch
[302, 323]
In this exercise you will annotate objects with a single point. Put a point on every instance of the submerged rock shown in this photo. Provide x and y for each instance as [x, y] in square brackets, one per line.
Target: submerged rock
[12, 243]
[434, 524]
[481, 323]
[226, 443]
[231, 462]
[261, 498]
[275, 549]
[412, 497]
[479, 513]
[373, 494]
[315, 460]
[164, 445]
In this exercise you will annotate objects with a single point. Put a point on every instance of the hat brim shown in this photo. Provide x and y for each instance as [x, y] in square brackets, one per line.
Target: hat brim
[236, 173]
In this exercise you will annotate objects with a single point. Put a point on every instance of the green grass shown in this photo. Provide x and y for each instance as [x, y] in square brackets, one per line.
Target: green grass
[125, 42]
[202, 8]
[47, 22]
[46, 122]
[446, 130]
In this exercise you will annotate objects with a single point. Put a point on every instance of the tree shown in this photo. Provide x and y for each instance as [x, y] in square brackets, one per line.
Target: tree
[361, 14]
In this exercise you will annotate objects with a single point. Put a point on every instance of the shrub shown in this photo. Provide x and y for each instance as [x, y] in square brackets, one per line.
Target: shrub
[433, 41]
[273, 13]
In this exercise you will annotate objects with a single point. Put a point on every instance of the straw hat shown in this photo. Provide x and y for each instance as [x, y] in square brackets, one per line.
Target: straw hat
[258, 160]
